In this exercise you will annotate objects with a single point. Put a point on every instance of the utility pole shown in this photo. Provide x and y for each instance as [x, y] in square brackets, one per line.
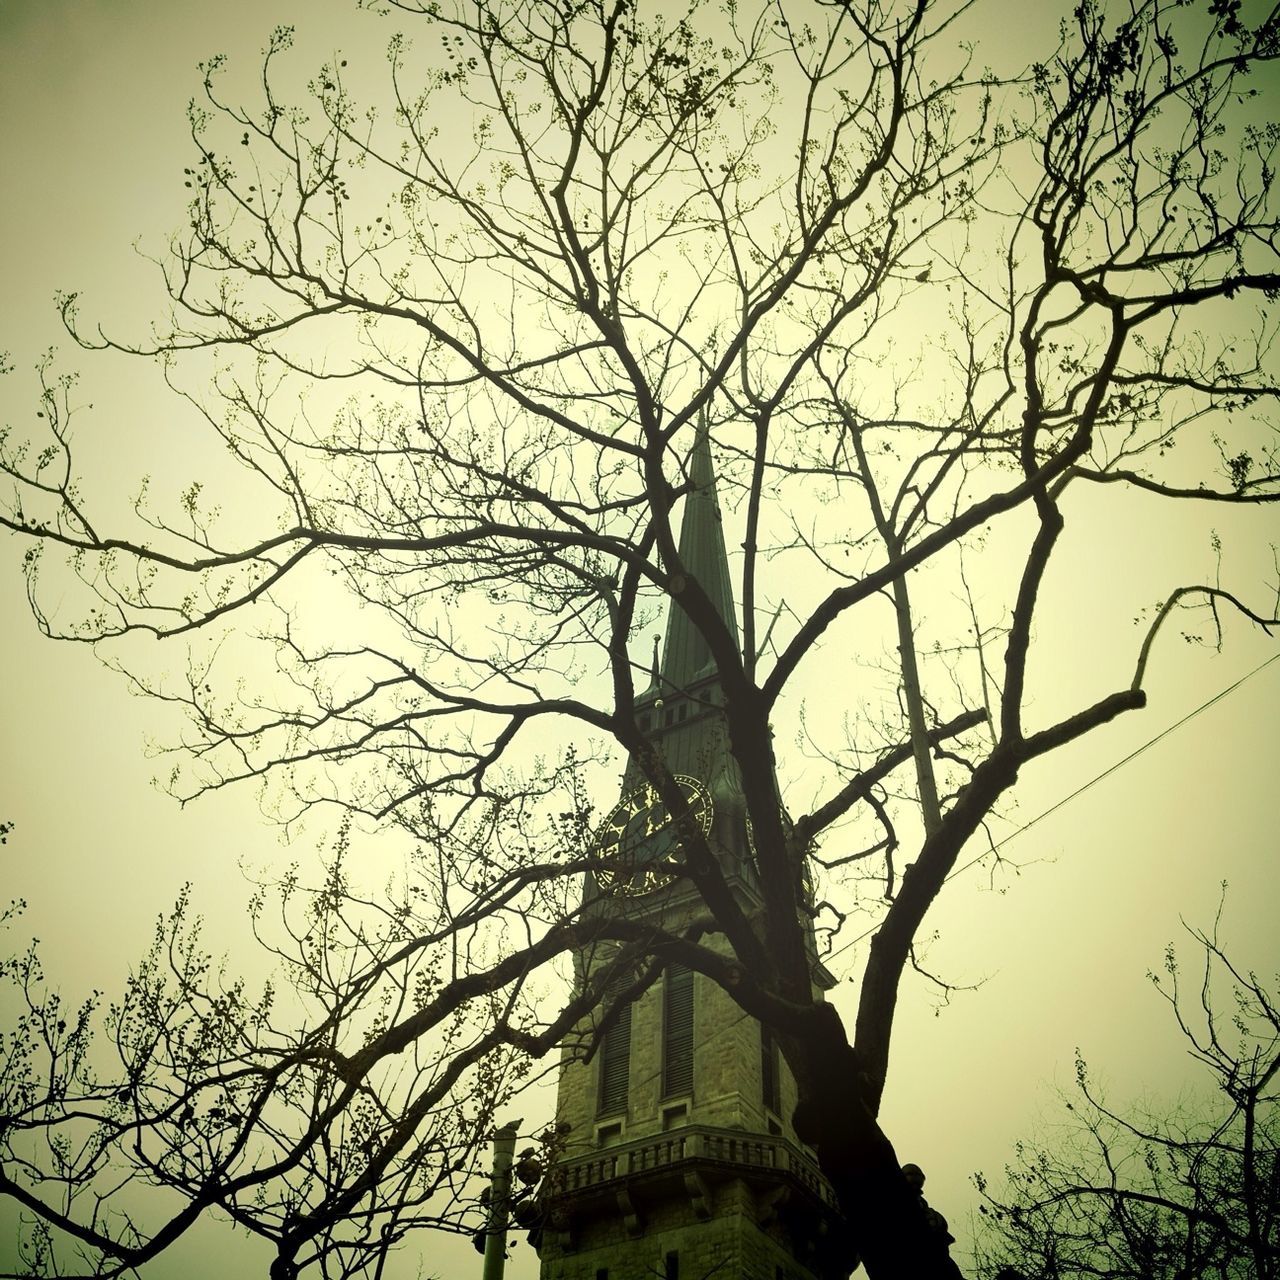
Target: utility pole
[495, 1242]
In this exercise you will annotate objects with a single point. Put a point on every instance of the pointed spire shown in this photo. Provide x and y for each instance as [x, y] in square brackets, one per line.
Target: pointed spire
[685, 655]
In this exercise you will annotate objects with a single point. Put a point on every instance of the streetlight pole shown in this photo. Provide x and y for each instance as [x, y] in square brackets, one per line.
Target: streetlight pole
[495, 1242]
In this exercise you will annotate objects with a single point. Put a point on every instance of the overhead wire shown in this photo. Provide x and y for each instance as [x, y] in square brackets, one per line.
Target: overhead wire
[1107, 772]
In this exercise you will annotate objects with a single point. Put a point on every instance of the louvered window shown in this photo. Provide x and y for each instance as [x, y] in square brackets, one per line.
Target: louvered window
[677, 1031]
[771, 1091]
[615, 1062]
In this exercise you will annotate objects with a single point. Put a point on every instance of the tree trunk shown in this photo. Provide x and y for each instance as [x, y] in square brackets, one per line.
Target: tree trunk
[892, 1229]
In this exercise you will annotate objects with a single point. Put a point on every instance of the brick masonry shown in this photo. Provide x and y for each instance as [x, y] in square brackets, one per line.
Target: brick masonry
[711, 1177]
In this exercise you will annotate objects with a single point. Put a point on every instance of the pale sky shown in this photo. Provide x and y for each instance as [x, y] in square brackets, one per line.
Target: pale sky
[92, 98]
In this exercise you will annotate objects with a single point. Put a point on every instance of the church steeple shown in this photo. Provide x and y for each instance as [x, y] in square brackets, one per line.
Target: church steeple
[685, 655]
[679, 1156]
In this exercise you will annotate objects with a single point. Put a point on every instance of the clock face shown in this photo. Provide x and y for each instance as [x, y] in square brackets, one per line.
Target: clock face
[641, 840]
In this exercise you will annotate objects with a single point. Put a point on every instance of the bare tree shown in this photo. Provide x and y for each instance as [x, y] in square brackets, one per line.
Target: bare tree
[1188, 1193]
[905, 302]
[256, 1103]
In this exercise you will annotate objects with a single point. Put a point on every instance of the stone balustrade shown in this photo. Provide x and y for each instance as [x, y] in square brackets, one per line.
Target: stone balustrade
[731, 1151]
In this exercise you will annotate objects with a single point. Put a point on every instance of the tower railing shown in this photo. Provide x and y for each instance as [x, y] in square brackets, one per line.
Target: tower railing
[732, 1151]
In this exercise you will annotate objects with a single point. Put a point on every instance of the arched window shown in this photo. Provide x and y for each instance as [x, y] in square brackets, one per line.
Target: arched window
[770, 1081]
[615, 1063]
[677, 1031]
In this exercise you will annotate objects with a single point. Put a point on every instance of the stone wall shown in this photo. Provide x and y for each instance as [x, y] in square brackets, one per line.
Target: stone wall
[721, 1228]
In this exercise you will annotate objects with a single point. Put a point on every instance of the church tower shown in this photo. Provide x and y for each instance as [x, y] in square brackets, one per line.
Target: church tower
[679, 1161]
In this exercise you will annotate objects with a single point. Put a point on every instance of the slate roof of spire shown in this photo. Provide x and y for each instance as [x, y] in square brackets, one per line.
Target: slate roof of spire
[685, 654]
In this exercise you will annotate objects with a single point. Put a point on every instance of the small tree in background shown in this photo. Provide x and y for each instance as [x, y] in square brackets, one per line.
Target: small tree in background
[1189, 1193]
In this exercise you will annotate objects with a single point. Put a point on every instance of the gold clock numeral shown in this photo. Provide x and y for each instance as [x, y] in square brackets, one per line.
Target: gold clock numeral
[654, 820]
